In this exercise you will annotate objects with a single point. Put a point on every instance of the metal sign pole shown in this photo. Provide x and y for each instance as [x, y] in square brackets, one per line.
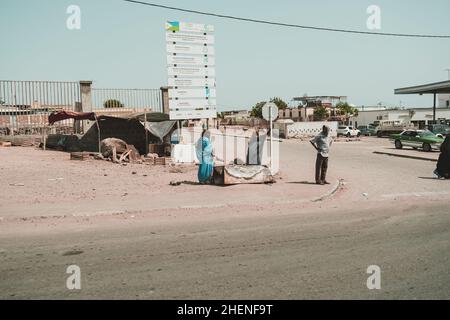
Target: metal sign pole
[271, 139]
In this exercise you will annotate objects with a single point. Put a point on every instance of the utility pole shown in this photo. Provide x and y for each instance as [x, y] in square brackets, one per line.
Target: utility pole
[448, 73]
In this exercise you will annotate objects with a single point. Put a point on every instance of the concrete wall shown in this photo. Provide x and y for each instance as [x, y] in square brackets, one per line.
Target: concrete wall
[228, 146]
[308, 129]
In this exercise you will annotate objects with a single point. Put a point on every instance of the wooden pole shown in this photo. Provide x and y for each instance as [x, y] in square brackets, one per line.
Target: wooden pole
[45, 136]
[99, 136]
[145, 128]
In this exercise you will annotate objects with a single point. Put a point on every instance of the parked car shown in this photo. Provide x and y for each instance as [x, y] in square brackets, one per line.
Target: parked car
[424, 139]
[348, 131]
[367, 130]
[440, 130]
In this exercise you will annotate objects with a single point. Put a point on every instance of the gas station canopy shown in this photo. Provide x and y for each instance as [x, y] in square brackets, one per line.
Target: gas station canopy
[431, 88]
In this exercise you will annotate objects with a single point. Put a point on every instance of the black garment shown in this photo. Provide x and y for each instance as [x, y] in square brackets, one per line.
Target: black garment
[321, 168]
[443, 164]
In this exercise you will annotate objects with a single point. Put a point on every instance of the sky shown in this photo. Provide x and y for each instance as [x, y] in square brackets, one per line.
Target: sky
[122, 45]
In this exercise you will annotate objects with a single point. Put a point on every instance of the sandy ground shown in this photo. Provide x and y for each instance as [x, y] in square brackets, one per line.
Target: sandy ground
[136, 237]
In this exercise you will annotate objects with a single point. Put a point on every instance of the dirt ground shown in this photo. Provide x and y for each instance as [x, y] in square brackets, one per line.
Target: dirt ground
[136, 237]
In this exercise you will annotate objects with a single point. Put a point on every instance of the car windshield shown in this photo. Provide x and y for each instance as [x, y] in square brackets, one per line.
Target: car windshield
[426, 134]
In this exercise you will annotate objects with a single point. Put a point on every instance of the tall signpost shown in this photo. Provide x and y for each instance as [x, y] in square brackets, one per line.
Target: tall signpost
[270, 113]
[191, 70]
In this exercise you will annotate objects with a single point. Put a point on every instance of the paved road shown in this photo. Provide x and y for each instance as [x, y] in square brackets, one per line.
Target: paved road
[389, 213]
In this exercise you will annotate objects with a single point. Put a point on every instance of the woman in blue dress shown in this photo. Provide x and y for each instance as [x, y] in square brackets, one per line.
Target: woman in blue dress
[206, 158]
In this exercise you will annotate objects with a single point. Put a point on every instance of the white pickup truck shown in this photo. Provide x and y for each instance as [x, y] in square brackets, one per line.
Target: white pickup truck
[387, 127]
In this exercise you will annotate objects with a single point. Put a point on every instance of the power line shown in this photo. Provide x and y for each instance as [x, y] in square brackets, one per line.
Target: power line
[288, 24]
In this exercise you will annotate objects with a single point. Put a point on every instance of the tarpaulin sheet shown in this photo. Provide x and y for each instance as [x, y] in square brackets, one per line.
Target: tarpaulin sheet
[160, 129]
[63, 115]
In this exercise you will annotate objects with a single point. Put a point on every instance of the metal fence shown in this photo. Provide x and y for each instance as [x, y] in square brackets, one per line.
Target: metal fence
[26, 105]
[126, 100]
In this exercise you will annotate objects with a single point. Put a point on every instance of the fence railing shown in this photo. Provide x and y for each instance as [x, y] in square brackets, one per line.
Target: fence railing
[126, 100]
[26, 105]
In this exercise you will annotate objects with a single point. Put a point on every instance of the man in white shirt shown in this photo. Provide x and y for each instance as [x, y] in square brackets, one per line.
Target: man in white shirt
[322, 144]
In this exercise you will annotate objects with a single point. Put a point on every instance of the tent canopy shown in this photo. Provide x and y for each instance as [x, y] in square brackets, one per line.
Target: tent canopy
[63, 115]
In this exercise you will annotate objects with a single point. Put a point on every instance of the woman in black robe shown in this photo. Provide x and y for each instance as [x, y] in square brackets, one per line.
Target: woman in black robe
[443, 165]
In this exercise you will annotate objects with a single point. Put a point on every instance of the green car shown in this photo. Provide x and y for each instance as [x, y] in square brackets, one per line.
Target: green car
[367, 130]
[416, 139]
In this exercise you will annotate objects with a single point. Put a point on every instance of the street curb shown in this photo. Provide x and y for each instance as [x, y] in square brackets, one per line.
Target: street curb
[404, 156]
[337, 186]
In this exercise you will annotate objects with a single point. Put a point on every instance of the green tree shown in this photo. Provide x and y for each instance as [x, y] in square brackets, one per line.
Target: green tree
[257, 109]
[112, 103]
[279, 102]
[347, 110]
[320, 113]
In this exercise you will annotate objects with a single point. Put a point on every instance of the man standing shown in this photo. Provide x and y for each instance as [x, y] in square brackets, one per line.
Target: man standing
[322, 144]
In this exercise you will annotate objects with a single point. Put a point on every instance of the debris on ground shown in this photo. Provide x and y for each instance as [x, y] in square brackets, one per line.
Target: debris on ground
[20, 141]
[17, 184]
[118, 151]
[5, 144]
[154, 159]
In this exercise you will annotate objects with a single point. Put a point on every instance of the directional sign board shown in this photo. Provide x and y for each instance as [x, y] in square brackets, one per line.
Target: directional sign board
[189, 38]
[195, 103]
[191, 82]
[191, 70]
[192, 93]
[188, 27]
[190, 60]
[199, 71]
[190, 49]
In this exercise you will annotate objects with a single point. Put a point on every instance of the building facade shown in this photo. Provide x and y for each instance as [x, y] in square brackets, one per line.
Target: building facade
[420, 117]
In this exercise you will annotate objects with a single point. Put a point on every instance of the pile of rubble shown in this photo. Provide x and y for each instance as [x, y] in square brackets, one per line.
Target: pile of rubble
[20, 141]
[118, 151]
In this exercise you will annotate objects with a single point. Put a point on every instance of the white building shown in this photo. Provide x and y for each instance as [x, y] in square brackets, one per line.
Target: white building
[444, 101]
[418, 116]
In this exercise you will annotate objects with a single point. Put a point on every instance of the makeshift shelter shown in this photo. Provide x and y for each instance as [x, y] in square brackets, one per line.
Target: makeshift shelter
[138, 130]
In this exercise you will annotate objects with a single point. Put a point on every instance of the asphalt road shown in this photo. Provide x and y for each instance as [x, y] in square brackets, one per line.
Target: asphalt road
[389, 213]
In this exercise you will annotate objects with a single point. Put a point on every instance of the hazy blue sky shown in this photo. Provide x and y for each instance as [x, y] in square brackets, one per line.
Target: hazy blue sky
[123, 45]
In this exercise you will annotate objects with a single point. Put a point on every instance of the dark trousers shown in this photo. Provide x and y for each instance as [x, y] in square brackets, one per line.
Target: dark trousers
[321, 168]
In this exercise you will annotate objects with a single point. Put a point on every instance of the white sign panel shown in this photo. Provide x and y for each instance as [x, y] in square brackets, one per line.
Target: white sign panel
[191, 60]
[192, 114]
[192, 103]
[189, 38]
[270, 110]
[190, 49]
[194, 82]
[191, 71]
[188, 27]
[192, 93]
